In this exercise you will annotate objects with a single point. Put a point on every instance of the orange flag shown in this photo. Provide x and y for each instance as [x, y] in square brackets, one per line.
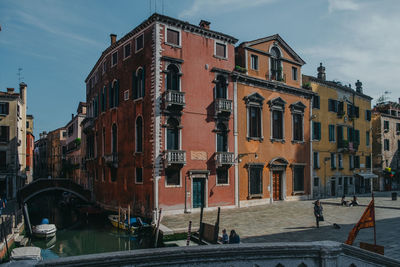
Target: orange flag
[367, 220]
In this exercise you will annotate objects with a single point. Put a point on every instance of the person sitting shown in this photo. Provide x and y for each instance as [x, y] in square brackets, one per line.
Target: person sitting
[234, 238]
[354, 202]
[344, 202]
[225, 238]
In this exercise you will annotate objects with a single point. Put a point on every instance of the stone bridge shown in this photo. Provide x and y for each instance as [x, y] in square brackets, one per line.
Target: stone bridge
[42, 185]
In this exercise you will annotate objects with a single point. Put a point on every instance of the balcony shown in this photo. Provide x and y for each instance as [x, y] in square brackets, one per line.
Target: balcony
[346, 146]
[87, 125]
[276, 75]
[174, 99]
[223, 106]
[224, 159]
[177, 157]
[111, 159]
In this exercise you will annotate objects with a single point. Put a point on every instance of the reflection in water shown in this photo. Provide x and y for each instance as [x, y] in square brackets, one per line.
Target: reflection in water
[88, 240]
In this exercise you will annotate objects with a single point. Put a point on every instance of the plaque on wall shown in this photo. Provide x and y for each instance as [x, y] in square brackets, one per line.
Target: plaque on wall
[198, 155]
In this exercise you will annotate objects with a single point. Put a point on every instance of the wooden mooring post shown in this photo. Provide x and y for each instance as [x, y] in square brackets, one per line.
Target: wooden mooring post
[189, 233]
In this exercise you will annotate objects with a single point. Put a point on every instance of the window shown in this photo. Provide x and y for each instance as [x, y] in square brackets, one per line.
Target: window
[315, 103]
[222, 138]
[139, 42]
[316, 130]
[114, 59]
[114, 138]
[139, 175]
[316, 160]
[71, 130]
[172, 78]
[332, 105]
[139, 134]
[367, 138]
[332, 133]
[113, 172]
[294, 74]
[333, 161]
[103, 149]
[386, 126]
[353, 111]
[255, 183]
[297, 127]
[316, 181]
[276, 66]
[351, 162]
[172, 177]
[340, 160]
[298, 178]
[172, 134]
[3, 160]
[4, 108]
[222, 176]
[340, 182]
[104, 66]
[138, 83]
[357, 162]
[340, 110]
[368, 162]
[221, 87]
[127, 50]
[4, 133]
[368, 115]
[254, 62]
[220, 50]
[357, 137]
[397, 128]
[27, 124]
[254, 122]
[386, 145]
[103, 99]
[173, 37]
[277, 124]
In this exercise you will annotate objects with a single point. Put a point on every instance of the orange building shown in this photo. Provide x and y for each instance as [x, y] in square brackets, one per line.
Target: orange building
[272, 123]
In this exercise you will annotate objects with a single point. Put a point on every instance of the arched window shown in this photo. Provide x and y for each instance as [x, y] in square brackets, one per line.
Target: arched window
[173, 78]
[222, 138]
[221, 87]
[138, 83]
[139, 134]
[276, 68]
[172, 134]
[114, 138]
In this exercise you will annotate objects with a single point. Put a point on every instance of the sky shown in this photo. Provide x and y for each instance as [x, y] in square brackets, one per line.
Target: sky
[56, 43]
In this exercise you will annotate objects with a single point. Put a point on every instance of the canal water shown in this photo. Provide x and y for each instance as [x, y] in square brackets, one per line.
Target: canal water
[89, 239]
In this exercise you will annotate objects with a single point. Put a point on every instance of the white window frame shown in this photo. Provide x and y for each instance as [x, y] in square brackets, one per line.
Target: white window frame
[216, 179]
[226, 49]
[129, 43]
[166, 35]
[112, 58]
[136, 41]
[252, 57]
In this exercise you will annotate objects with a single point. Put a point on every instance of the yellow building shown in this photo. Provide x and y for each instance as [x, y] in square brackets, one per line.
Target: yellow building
[341, 134]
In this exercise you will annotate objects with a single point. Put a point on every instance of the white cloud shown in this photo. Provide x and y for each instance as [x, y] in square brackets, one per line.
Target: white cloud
[220, 6]
[338, 5]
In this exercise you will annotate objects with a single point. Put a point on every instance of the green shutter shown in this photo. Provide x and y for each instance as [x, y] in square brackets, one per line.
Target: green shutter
[116, 90]
[357, 136]
[143, 81]
[319, 131]
[134, 88]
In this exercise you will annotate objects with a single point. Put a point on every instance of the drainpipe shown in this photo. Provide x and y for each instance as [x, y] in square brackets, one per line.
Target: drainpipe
[235, 134]
[311, 152]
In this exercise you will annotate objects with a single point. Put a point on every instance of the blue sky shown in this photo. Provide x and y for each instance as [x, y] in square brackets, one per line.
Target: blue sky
[58, 42]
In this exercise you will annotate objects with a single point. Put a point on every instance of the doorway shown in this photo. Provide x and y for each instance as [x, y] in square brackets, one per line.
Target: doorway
[198, 192]
[346, 185]
[276, 185]
[333, 187]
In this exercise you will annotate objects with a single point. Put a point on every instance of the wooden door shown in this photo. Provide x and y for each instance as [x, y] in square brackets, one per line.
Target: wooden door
[198, 192]
[276, 177]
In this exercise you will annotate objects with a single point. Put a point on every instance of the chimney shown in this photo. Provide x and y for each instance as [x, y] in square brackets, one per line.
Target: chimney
[22, 91]
[321, 72]
[72, 116]
[399, 100]
[359, 86]
[113, 38]
[205, 24]
[10, 90]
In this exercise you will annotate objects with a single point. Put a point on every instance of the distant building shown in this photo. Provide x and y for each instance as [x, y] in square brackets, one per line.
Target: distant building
[40, 157]
[13, 141]
[56, 150]
[341, 137]
[30, 143]
[386, 145]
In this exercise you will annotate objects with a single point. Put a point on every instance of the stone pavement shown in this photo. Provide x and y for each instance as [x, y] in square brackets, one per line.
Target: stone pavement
[294, 221]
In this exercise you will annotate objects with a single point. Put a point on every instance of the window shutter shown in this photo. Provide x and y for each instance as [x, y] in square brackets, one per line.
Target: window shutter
[98, 105]
[319, 131]
[143, 80]
[134, 88]
[116, 90]
[110, 98]
[7, 108]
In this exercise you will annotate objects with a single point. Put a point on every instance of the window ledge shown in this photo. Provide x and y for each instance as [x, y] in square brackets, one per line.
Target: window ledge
[278, 140]
[219, 57]
[298, 193]
[340, 168]
[222, 184]
[333, 168]
[173, 45]
[298, 142]
[138, 99]
[255, 138]
[316, 140]
[127, 57]
[137, 51]
[255, 196]
[173, 186]
[317, 168]
[138, 182]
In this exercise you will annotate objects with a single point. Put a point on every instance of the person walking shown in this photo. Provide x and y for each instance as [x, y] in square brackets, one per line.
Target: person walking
[234, 237]
[1, 206]
[318, 212]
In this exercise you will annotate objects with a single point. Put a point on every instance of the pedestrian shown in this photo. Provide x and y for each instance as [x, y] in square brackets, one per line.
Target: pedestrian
[354, 202]
[1, 206]
[344, 202]
[318, 212]
[234, 237]
[225, 238]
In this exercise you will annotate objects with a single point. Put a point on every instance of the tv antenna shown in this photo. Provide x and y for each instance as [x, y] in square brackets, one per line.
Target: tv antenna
[19, 75]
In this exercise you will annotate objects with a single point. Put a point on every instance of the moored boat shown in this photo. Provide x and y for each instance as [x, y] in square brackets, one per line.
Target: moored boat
[44, 230]
[135, 225]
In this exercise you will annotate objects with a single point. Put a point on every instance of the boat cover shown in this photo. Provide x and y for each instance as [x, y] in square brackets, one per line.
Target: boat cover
[45, 228]
[26, 253]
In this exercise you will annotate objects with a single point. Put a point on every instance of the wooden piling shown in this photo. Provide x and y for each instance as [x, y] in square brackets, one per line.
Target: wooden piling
[129, 218]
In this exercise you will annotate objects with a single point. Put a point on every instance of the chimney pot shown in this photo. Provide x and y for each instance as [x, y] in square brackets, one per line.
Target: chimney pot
[359, 86]
[113, 38]
[321, 72]
[205, 24]
[10, 90]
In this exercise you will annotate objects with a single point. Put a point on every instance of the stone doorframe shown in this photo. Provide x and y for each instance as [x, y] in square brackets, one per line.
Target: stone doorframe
[277, 164]
[202, 174]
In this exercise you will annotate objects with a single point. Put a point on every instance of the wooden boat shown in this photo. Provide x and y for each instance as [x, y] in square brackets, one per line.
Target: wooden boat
[44, 230]
[136, 224]
[25, 254]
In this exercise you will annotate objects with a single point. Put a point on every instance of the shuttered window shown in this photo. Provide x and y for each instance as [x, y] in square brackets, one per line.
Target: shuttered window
[220, 50]
[4, 108]
[4, 133]
[172, 37]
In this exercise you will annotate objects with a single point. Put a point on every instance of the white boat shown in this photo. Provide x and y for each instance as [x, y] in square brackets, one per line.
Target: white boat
[44, 230]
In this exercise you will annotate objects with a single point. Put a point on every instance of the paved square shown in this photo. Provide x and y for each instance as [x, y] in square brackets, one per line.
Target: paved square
[294, 221]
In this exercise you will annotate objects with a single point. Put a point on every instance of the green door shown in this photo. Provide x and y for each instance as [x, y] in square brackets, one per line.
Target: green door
[198, 192]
